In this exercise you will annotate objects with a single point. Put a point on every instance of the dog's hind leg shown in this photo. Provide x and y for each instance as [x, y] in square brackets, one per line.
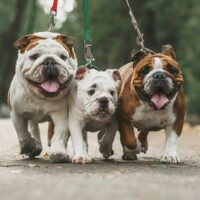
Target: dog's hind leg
[35, 133]
[85, 137]
[142, 137]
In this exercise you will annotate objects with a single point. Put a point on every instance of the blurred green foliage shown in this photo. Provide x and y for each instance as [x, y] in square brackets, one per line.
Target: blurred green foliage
[161, 21]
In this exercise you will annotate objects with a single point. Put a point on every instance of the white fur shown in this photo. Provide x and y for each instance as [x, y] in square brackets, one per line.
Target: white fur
[46, 34]
[158, 63]
[82, 108]
[170, 154]
[146, 117]
[28, 106]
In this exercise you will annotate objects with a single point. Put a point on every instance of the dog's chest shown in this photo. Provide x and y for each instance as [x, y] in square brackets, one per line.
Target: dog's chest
[36, 111]
[146, 118]
[93, 126]
[38, 115]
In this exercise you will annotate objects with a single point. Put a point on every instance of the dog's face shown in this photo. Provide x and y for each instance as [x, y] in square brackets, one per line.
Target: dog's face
[46, 64]
[157, 78]
[97, 92]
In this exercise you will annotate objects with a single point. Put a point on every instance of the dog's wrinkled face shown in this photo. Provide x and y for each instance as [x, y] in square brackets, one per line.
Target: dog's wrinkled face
[46, 63]
[97, 92]
[157, 77]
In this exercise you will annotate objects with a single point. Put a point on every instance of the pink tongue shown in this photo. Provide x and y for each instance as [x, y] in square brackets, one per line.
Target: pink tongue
[50, 86]
[159, 100]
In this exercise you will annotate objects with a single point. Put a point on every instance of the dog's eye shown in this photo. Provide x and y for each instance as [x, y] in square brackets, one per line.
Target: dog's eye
[112, 92]
[172, 70]
[91, 92]
[63, 57]
[34, 56]
[144, 71]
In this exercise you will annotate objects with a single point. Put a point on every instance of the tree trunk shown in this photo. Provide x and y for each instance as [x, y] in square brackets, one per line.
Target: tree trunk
[7, 62]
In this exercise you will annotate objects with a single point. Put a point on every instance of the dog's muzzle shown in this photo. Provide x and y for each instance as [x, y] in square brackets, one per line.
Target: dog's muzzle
[158, 91]
[160, 84]
[50, 83]
[50, 69]
[103, 103]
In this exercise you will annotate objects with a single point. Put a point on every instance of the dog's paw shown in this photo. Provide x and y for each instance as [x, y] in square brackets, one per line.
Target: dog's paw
[129, 155]
[170, 158]
[30, 148]
[59, 157]
[144, 147]
[81, 159]
[106, 151]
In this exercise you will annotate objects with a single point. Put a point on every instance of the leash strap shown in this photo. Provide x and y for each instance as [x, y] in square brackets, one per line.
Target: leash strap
[87, 38]
[52, 14]
[140, 36]
[54, 6]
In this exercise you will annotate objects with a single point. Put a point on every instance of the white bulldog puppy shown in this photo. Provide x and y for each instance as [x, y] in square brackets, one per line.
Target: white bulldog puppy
[45, 69]
[92, 104]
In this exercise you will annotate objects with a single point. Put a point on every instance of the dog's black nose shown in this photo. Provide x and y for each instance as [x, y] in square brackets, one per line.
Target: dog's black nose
[159, 76]
[49, 62]
[50, 70]
[104, 102]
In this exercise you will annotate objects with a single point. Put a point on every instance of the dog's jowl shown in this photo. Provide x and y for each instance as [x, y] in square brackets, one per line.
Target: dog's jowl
[151, 98]
[45, 68]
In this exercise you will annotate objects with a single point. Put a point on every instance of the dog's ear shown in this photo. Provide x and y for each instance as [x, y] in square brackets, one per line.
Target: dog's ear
[137, 55]
[168, 50]
[67, 40]
[23, 42]
[116, 75]
[81, 72]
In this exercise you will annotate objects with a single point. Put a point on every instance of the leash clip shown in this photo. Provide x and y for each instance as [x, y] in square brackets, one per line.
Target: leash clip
[51, 24]
[88, 53]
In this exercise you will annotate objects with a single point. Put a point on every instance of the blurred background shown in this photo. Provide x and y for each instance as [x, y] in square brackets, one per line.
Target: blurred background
[161, 21]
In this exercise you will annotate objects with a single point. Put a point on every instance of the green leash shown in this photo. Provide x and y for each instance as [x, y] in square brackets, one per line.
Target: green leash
[87, 38]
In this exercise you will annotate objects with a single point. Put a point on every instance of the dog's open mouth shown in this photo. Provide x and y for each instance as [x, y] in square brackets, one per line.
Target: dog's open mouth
[158, 100]
[48, 88]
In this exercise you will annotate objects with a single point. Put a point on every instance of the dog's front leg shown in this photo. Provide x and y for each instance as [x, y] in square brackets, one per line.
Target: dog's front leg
[26, 142]
[170, 154]
[35, 133]
[106, 138]
[131, 145]
[58, 152]
[80, 147]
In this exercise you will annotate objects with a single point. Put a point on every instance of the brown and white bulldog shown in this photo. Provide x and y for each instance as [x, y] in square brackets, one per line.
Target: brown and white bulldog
[45, 68]
[151, 98]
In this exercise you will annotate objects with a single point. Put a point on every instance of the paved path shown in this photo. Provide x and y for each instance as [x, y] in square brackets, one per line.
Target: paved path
[146, 179]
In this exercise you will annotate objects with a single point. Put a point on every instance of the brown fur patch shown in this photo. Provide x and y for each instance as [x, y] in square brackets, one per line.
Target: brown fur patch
[67, 45]
[50, 130]
[28, 41]
[179, 110]
[127, 135]
[31, 46]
